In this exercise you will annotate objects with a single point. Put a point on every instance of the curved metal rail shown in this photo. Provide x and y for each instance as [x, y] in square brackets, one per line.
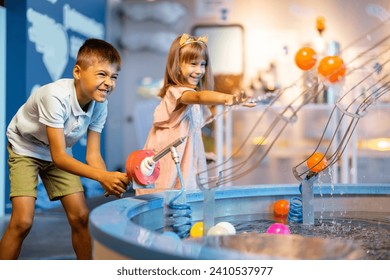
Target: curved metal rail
[342, 115]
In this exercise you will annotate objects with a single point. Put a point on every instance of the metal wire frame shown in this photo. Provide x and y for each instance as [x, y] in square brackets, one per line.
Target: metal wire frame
[290, 113]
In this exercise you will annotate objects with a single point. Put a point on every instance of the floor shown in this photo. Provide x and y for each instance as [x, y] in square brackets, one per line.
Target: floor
[50, 237]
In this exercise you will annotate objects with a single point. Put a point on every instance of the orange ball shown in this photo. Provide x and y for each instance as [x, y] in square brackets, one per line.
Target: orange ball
[281, 207]
[317, 162]
[305, 58]
[332, 68]
[320, 24]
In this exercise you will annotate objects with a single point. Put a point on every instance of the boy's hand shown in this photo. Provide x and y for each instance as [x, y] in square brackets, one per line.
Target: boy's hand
[114, 183]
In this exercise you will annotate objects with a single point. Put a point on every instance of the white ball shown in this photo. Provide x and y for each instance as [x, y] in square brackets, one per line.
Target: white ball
[228, 226]
[215, 230]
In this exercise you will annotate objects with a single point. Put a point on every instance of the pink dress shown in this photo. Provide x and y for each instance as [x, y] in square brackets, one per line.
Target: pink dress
[173, 120]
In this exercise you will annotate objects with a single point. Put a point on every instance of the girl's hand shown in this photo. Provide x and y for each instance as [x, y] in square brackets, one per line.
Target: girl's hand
[249, 104]
[240, 98]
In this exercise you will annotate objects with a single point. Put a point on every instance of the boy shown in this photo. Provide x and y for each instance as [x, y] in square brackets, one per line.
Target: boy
[40, 137]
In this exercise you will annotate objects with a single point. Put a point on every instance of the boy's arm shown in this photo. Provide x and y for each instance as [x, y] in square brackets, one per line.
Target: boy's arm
[113, 182]
[93, 155]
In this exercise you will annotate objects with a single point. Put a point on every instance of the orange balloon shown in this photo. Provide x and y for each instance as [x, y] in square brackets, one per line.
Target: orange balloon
[332, 68]
[281, 207]
[305, 58]
[317, 162]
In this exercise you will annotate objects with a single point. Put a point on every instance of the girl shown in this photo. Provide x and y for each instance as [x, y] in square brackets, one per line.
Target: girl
[187, 88]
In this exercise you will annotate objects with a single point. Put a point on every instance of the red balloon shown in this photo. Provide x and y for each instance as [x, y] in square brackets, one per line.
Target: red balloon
[332, 68]
[305, 58]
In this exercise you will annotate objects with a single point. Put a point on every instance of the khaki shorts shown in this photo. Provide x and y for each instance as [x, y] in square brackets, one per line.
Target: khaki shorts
[24, 171]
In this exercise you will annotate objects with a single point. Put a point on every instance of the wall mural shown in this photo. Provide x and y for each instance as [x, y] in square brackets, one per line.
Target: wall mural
[57, 40]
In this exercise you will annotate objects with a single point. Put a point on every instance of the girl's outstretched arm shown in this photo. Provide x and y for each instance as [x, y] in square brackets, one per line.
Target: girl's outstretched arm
[209, 97]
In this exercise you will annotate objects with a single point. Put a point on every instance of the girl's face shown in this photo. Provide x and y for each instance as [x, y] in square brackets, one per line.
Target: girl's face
[193, 71]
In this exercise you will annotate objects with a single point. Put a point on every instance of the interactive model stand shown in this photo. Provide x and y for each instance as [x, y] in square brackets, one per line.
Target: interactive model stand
[143, 168]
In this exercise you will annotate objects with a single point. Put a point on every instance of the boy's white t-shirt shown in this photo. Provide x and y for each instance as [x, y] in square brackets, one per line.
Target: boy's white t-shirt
[54, 105]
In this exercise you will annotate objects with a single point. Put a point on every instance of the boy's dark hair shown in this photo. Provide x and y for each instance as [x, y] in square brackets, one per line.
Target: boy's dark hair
[99, 50]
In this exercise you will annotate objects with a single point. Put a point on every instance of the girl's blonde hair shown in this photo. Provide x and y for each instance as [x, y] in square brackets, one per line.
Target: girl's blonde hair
[179, 54]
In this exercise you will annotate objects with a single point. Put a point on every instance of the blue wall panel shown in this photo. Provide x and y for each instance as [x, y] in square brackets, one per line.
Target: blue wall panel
[2, 108]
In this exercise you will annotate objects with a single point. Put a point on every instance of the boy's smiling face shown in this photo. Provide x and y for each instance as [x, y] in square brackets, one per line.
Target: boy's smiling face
[96, 82]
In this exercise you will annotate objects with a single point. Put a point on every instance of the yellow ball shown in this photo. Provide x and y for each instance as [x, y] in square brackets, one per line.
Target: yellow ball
[197, 229]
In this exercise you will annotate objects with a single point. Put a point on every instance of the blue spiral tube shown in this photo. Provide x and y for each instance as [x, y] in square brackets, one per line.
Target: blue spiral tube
[180, 213]
[295, 213]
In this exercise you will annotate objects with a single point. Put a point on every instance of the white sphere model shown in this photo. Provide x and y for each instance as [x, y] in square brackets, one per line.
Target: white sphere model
[228, 226]
[215, 230]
